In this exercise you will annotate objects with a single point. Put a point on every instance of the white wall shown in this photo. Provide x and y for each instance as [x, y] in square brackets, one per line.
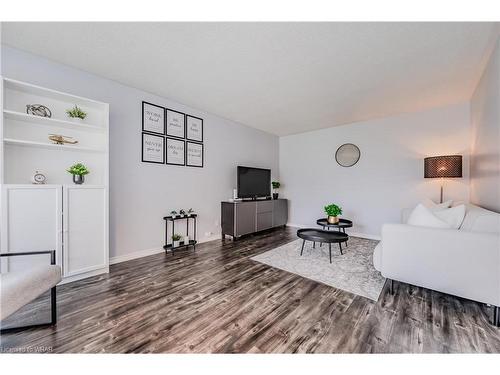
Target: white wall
[142, 193]
[485, 118]
[389, 175]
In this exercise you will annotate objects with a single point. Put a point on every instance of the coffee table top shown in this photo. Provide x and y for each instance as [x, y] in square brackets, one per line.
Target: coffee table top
[319, 235]
[343, 223]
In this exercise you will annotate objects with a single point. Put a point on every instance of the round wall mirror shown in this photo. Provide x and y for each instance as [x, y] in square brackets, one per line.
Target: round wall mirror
[347, 155]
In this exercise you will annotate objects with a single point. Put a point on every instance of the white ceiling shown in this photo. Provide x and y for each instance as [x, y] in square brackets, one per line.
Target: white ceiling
[283, 78]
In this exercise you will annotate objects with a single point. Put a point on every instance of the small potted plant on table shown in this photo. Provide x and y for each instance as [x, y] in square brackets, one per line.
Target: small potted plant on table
[173, 213]
[78, 171]
[190, 212]
[176, 240]
[333, 211]
[182, 212]
[76, 114]
[276, 186]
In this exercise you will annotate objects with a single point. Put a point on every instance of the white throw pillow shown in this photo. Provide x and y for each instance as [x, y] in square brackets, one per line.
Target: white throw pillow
[423, 217]
[453, 216]
[437, 206]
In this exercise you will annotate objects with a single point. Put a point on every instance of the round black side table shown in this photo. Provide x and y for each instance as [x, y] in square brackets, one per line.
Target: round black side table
[341, 225]
[318, 235]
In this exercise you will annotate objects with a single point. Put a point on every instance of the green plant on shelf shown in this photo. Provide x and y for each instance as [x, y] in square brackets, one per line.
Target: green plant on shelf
[276, 184]
[76, 112]
[78, 170]
[190, 211]
[182, 212]
[176, 237]
[173, 213]
[333, 210]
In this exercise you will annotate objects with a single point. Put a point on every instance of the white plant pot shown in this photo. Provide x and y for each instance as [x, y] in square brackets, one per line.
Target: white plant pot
[78, 120]
[176, 243]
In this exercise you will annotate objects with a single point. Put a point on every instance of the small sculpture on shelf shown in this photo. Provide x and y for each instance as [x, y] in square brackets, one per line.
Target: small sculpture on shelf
[76, 113]
[78, 171]
[182, 212]
[59, 139]
[38, 178]
[190, 212]
[38, 110]
[173, 213]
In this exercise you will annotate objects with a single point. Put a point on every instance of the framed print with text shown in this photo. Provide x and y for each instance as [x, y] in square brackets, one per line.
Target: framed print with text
[175, 124]
[153, 148]
[194, 154]
[153, 118]
[194, 128]
[176, 151]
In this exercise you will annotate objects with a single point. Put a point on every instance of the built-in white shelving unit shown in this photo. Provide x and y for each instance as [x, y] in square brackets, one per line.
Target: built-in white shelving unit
[78, 231]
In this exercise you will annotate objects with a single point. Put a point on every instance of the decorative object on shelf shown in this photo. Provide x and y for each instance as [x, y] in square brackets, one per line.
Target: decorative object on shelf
[333, 211]
[276, 186]
[194, 154]
[78, 171]
[194, 128]
[446, 166]
[190, 212]
[153, 149]
[76, 113]
[347, 155]
[190, 240]
[38, 110]
[182, 212]
[174, 213]
[176, 124]
[38, 178]
[176, 152]
[176, 240]
[153, 118]
[59, 139]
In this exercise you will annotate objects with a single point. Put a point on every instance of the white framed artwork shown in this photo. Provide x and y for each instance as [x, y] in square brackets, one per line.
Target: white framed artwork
[194, 128]
[153, 148]
[153, 118]
[175, 124]
[176, 151]
[194, 154]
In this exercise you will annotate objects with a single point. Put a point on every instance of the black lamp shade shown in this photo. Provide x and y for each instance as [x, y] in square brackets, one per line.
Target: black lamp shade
[443, 166]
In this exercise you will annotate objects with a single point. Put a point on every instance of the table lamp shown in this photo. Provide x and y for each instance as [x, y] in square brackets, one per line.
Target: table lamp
[443, 167]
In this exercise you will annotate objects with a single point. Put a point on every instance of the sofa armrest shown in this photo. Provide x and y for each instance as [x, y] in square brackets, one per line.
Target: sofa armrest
[19, 253]
[462, 263]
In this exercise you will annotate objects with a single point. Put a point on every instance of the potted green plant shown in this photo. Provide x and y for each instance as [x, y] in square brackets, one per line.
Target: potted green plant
[190, 212]
[276, 186]
[76, 114]
[176, 240]
[173, 213]
[333, 211]
[182, 212]
[78, 171]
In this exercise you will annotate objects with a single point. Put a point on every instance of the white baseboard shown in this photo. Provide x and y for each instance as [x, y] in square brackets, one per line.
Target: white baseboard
[147, 252]
[351, 233]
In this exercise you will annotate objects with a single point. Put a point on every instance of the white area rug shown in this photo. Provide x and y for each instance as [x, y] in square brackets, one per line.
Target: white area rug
[352, 272]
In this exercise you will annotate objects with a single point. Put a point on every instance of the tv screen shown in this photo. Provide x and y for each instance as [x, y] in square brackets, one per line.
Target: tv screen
[253, 182]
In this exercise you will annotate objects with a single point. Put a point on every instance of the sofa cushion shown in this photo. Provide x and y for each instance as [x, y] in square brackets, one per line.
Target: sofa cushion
[21, 287]
[452, 216]
[478, 219]
[421, 216]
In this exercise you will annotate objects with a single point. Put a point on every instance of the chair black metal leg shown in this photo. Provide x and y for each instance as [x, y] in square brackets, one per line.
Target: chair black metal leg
[330, 250]
[53, 305]
[303, 243]
[391, 287]
[340, 245]
[496, 316]
[314, 245]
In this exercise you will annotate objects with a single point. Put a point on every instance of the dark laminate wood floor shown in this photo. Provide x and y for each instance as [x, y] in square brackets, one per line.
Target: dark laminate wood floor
[217, 300]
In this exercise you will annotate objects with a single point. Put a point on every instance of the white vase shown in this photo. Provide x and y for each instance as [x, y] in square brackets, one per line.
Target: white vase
[78, 120]
[176, 243]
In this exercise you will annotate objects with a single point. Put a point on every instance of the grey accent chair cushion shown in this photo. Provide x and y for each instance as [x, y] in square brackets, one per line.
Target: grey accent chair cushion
[21, 287]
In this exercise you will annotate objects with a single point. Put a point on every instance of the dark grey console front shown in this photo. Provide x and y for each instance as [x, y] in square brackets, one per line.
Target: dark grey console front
[240, 218]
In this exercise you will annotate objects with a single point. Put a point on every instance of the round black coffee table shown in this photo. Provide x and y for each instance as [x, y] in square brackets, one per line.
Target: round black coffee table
[322, 236]
[341, 225]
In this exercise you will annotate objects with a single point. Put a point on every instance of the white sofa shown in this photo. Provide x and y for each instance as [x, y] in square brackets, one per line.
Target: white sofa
[464, 262]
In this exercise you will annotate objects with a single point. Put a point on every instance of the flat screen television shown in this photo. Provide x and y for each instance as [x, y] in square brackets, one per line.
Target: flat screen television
[254, 182]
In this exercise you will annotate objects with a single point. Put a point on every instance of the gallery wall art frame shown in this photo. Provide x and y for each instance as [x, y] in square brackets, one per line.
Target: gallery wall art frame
[170, 116]
[193, 121]
[169, 156]
[148, 156]
[152, 126]
[199, 161]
